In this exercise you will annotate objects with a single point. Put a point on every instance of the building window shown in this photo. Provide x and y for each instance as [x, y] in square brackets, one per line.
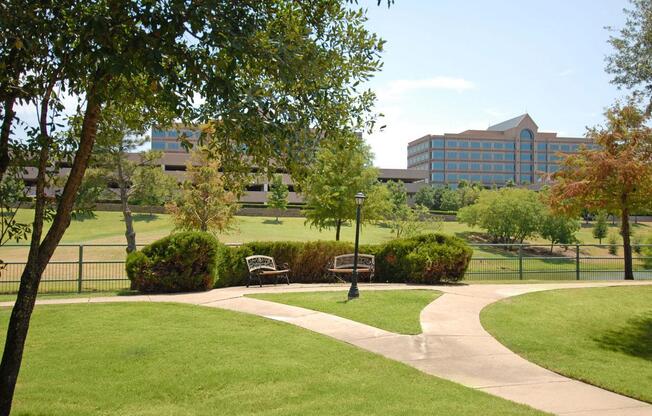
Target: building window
[510, 146]
[475, 155]
[452, 166]
[463, 166]
[541, 147]
[464, 144]
[475, 166]
[498, 145]
[526, 134]
[541, 157]
[437, 143]
[475, 145]
[526, 156]
[437, 177]
[498, 156]
[565, 148]
[437, 165]
[451, 155]
[509, 156]
[526, 146]
[156, 145]
[487, 156]
[486, 145]
[438, 155]
[451, 143]
[486, 167]
[173, 146]
[464, 155]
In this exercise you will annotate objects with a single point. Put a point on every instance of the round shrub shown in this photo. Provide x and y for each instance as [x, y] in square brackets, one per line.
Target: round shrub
[181, 262]
[425, 259]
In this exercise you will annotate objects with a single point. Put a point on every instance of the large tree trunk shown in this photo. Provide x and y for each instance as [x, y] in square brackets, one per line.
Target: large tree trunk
[5, 132]
[130, 234]
[40, 255]
[627, 246]
[338, 226]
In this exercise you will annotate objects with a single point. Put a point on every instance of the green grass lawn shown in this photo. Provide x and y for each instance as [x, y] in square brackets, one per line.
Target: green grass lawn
[392, 310]
[600, 335]
[165, 359]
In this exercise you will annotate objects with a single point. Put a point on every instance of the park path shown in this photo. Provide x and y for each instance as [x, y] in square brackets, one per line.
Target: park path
[453, 345]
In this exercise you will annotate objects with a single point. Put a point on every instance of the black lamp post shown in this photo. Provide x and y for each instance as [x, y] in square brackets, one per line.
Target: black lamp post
[353, 291]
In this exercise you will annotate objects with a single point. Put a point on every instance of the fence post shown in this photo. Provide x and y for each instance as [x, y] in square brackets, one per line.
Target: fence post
[520, 262]
[80, 269]
[577, 262]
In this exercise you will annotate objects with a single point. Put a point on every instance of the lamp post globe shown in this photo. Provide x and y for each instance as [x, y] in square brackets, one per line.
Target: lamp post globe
[353, 291]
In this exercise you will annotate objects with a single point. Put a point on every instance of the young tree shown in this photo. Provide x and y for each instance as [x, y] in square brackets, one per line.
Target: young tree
[92, 188]
[399, 215]
[558, 229]
[12, 195]
[243, 64]
[616, 177]
[339, 173]
[277, 197]
[429, 196]
[600, 228]
[204, 202]
[450, 200]
[151, 186]
[630, 63]
[509, 215]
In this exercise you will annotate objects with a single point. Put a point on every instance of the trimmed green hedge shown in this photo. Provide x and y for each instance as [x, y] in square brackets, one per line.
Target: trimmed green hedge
[194, 261]
[180, 262]
[425, 259]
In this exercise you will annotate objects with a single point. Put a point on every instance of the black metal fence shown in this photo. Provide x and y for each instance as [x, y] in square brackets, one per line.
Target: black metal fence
[101, 267]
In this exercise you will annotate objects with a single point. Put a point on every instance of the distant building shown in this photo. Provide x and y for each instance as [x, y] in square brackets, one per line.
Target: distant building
[513, 150]
[175, 157]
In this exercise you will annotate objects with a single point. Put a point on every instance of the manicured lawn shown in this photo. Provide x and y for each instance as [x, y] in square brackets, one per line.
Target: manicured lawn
[165, 359]
[392, 310]
[600, 335]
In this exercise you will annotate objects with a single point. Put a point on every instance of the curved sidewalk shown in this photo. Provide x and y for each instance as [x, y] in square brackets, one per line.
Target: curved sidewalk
[453, 345]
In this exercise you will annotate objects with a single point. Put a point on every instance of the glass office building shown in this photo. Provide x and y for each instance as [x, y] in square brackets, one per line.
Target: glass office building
[513, 150]
[168, 140]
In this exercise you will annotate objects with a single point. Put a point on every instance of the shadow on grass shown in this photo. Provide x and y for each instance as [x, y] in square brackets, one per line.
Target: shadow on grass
[635, 338]
[272, 222]
[83, 216]
[140, 217]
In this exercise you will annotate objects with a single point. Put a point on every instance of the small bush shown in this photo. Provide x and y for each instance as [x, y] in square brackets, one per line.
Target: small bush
[612, 244]
[646, 252]
[181, 262]
[425, 259]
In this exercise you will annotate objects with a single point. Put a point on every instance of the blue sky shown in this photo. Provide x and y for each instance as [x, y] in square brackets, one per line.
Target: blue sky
[456, 65]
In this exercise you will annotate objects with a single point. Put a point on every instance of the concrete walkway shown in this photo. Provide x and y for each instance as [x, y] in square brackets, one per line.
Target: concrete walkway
[453, 345]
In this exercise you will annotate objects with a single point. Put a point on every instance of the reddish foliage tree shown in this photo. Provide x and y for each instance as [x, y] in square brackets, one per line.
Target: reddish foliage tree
[614, 177]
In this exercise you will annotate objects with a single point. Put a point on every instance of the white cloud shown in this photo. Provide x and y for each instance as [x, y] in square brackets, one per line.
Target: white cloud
[397, 88]
[566, 72]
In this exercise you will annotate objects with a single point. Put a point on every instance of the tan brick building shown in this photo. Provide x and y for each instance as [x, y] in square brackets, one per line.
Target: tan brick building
[513, 150]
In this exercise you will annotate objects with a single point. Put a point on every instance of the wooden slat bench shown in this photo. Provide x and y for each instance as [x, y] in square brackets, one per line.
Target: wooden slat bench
[343, 265]
[264, 266]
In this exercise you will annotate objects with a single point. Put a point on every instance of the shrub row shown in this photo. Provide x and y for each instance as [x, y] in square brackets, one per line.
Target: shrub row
[424, 259]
